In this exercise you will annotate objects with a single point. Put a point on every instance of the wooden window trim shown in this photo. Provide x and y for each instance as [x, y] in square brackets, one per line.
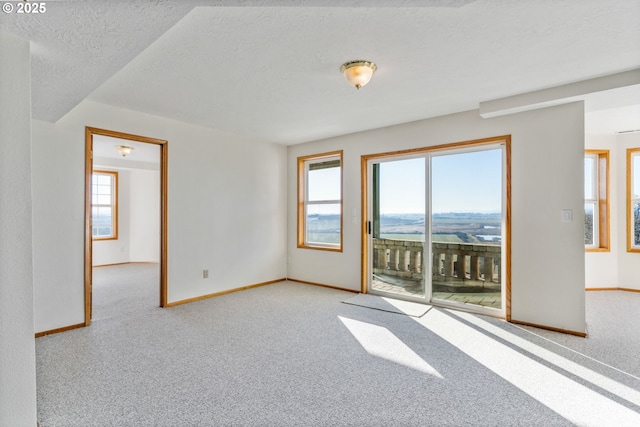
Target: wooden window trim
[602, 189]
[301, 232]
[504, 139]
[631, 152]
[114, 205]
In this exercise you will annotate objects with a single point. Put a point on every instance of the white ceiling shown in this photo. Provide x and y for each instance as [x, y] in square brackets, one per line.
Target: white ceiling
[104, 147]
[269, 70]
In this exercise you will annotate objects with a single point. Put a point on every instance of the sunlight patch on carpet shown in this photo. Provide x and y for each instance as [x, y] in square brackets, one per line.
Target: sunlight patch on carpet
[602, 381]
[560, 392]
[381, 342]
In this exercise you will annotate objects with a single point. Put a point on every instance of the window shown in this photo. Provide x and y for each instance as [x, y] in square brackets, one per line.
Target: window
[633, 200]
[104, 213]
[320, 201]
[596, 200]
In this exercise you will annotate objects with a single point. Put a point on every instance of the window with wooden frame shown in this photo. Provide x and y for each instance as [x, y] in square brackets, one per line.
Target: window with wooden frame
[596, 200]
[104, 205]
[320, 201]
[633, 200]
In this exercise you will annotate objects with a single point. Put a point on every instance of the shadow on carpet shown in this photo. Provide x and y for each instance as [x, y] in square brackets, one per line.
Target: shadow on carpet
[391, 305]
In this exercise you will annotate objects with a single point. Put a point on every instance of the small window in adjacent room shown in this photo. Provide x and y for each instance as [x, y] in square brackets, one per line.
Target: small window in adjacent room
[320, 201]
[596, 200]
[104, 213]
[633, 199]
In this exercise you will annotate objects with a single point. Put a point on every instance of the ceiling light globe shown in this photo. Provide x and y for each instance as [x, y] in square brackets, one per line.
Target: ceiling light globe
[358, 73]
[124, 149]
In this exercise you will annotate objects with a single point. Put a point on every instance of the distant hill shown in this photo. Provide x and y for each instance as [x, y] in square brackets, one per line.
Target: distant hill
[468, 227]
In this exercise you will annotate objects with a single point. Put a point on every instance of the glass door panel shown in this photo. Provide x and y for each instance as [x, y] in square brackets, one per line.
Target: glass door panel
[466, 227]
[398, 258]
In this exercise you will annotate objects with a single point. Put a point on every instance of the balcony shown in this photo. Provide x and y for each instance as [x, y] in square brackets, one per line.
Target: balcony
[461, 272]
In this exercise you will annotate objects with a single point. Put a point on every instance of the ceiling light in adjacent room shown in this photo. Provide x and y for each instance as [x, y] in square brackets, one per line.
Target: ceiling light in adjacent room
[124, 149]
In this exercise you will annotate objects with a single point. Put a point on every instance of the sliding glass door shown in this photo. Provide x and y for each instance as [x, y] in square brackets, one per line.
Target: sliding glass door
[466, 227]
[398, 227]
[437, 226]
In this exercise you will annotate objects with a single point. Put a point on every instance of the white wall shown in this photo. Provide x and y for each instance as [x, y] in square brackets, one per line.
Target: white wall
[227, 209]
[144, 216]
[57, 161]
[547, 176]
[616, 268]
[17, 343]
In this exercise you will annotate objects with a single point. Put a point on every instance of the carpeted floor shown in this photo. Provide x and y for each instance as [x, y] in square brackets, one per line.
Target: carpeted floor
[125, 289]
[290, 354]
[613, 325]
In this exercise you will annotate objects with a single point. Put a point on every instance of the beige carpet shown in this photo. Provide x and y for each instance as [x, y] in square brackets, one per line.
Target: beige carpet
[290, 354]
[125, 289]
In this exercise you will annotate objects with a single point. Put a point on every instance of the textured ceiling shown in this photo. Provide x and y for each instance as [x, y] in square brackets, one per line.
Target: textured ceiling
[104, 147]
[77, 45]
[269, 69]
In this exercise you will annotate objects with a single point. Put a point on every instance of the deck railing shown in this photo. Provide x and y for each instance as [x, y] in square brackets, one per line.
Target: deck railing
[451, 261]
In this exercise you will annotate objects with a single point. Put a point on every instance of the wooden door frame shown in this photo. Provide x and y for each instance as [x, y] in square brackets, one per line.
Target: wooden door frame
[88, 240]
[364, 204]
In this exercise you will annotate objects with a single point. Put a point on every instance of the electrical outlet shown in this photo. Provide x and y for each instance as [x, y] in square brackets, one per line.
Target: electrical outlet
[566, 215]
[205, 274]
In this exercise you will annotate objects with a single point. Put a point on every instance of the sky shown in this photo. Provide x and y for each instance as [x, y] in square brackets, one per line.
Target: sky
[589, 175]
[324, 184]
[461, 182]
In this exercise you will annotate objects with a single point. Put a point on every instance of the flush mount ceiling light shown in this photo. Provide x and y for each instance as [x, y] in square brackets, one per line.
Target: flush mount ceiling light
[124, 149]
[359, 72]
